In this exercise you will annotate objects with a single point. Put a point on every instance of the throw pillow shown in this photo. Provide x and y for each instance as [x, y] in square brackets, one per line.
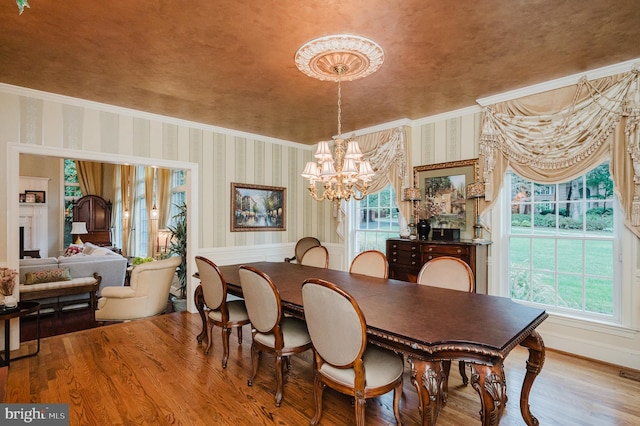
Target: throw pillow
[73, 249]
[48, 276]
[100, 251]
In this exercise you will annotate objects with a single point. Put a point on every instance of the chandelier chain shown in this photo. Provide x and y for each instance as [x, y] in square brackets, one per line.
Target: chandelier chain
[339, 71]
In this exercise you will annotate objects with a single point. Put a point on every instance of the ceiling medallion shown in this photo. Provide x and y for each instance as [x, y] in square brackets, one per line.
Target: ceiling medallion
[357, 56]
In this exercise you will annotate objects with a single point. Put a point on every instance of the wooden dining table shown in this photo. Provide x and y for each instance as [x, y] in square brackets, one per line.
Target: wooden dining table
[430, 326]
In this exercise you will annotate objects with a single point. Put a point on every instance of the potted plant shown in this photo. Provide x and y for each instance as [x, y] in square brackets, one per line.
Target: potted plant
[178, 230]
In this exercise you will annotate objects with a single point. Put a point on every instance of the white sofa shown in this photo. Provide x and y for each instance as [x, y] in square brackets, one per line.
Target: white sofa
[110, 266]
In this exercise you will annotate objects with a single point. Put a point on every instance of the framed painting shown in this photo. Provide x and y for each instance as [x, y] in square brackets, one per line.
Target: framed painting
[39, 196]
[258, 208]
[445, 184]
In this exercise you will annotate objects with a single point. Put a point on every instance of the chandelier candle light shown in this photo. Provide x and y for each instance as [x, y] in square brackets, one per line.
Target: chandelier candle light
[337, 58]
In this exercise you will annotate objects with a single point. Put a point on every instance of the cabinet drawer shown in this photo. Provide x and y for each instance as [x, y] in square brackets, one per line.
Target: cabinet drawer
[403, 253]
[432, 251]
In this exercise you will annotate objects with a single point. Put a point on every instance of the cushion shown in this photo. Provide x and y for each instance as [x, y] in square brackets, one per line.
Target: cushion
[73, 249]
[39, 262]
[100, 251]
[47, 276]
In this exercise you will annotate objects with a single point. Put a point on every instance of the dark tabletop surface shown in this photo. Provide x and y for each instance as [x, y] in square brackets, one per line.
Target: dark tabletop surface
[422, 314]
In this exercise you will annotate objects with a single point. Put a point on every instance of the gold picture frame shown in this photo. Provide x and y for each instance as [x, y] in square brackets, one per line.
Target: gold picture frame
[258, 207]
[451, 177]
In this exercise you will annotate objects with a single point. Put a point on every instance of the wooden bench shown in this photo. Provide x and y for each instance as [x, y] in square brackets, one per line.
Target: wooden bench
[58, 289]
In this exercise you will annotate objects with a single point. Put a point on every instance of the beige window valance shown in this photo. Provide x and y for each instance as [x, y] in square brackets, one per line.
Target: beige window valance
[561, 134]
[387, 152]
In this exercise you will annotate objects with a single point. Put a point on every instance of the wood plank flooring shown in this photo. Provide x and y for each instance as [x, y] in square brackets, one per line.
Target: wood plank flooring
[152, 372]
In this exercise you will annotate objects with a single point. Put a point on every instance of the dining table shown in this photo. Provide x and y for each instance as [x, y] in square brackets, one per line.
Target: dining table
[431, 326]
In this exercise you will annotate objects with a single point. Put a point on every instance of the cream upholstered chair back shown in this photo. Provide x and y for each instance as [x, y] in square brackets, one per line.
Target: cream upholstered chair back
[153, 280]
[342, 359]
[261, 299]
[316, 256]
[372, 263]
[280, 335]
[146, 296]
[447, 272]
[302, 246]
[214, 287]
[335, 322]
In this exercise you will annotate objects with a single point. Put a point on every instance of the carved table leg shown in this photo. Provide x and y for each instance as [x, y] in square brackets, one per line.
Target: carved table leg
[198, 299]
[489, 382]
[428, 378]
[534, 365]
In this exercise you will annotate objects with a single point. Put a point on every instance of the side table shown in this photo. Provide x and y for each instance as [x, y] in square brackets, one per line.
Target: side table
[23, 309]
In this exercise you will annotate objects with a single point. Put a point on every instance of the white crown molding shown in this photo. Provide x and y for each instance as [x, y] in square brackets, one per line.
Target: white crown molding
[83, 103]
[560, 82]
[447, 115]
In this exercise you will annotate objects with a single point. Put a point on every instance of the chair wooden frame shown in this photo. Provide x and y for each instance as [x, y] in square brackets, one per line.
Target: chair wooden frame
[226, 315]
[276, 327]
[313, 257]
[364, 258]
[302, 246]
[316, 315]
[466, 286]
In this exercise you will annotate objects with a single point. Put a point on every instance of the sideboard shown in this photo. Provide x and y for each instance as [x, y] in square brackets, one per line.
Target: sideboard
[406, 257]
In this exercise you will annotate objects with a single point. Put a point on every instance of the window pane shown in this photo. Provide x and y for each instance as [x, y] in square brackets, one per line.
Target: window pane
[599, 258]
[376, 220]
[570, 256]
[520, 283]
[543, 288]
[599, 295]
[520, 252]
[570, 291]
[544, 254]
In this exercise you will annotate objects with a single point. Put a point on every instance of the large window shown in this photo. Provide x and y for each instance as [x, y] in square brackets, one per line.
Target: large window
[375, 218]
[71, 193]
[562, 251]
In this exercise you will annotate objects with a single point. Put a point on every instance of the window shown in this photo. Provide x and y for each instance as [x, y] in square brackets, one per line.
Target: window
[562, 251]
[374, 219]
[71, 193]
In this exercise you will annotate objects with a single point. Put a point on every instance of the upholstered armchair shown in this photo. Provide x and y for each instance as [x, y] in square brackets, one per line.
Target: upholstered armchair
[146, 296]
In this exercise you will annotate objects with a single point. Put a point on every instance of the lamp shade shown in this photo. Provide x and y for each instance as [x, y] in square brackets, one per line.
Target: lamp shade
[78, 228]
[475, 190]
[412, 194]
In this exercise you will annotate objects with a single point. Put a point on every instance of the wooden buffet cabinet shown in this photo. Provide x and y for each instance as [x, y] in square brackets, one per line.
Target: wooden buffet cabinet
[406, 257]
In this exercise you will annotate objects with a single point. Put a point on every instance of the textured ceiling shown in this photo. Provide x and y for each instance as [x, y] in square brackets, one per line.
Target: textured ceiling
[231, 63]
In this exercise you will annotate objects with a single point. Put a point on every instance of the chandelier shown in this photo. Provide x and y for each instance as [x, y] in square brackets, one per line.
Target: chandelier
[344, 173]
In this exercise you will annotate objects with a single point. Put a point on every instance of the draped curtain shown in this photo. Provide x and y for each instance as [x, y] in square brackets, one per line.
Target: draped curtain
[387, 152]
[127, 177]
[149, 173]
[90, 177]
[163, 196]
[559, 135]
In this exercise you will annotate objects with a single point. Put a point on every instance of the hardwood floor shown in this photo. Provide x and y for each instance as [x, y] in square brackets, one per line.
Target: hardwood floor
[152, 371]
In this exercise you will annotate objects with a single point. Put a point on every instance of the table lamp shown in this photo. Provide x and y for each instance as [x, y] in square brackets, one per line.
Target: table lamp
[413, 195]
[78, 228]
[475, 190]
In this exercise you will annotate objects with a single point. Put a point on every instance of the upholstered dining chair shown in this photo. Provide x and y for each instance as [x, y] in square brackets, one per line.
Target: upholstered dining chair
[454, 274]
[316, 256]
[342, 359]
[372, 263]
[302, 246]
[146, 295]
[271, 332]
[222, 313]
